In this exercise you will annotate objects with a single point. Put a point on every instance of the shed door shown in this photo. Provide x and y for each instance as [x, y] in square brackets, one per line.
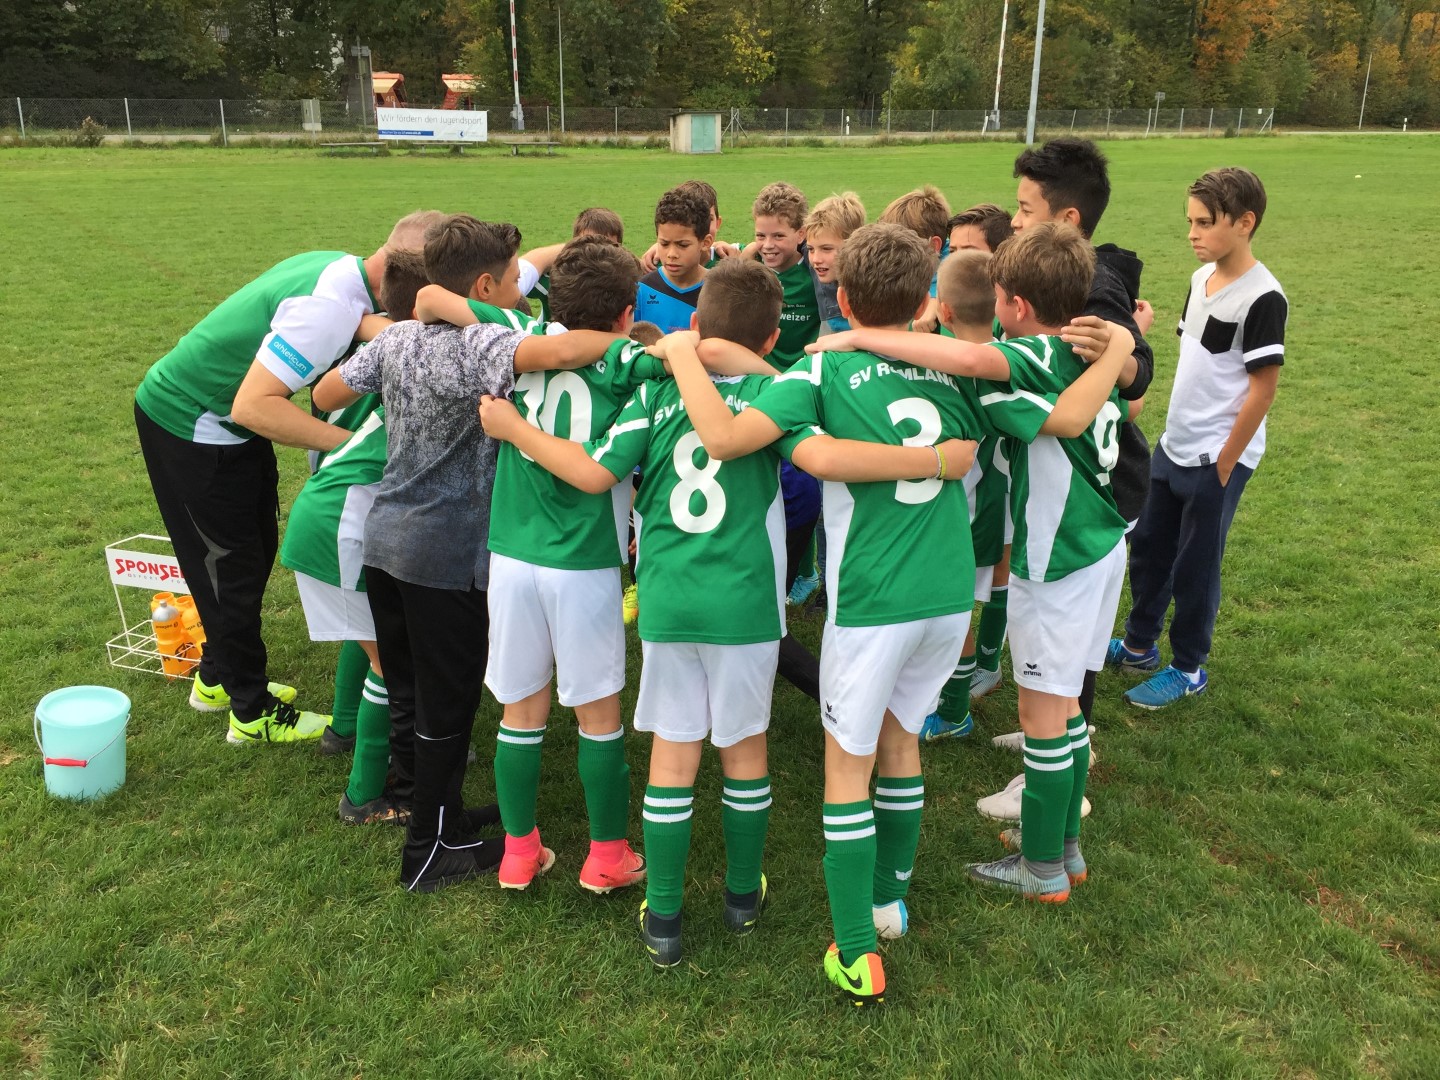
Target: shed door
[704, 133]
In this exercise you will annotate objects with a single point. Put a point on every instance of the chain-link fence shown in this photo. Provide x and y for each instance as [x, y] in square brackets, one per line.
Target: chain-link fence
[113, 119]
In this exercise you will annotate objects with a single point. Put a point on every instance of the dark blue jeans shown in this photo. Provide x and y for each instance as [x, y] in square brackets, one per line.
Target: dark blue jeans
[1175, 553]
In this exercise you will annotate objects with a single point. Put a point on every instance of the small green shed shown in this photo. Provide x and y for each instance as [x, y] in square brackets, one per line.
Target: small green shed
[694, 131]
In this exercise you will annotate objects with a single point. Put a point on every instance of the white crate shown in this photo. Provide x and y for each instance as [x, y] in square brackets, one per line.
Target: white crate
[132, 566]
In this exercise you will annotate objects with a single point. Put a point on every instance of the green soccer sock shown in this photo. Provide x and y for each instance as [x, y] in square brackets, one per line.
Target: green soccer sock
[850, 876]
[666, 823]
[1049, 777]
[955, 697]
[351, 667]
[372, 743]
[517, 777]
[605, 777]
[1079, 735]
[745, 819]
[898, 804]
[991, 635]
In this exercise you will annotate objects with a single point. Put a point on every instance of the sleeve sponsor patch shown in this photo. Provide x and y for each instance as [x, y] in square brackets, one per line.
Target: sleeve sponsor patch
[291, 356]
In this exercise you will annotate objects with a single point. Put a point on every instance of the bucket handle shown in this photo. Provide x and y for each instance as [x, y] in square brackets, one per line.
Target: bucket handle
[70, 761]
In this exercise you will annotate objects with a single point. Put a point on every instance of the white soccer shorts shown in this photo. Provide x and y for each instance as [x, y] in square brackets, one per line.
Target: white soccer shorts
[333, 613]
[902, 667]
[692, 689]
[1060, 629]
[984, 583]
[546, 622]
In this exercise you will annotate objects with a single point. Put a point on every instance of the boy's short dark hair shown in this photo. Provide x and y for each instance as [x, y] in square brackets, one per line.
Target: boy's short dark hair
[592, 282]
[782, 201]
[885, 270]
[1051, 265]
[598, 221]
[924, 211]
[460, 248]
[740, 302]
[964, 284]
[678, 207]
[1231, 191]
[404, 277]
[704, 190]
[1070, 172]
[647, 333]
[993, 221]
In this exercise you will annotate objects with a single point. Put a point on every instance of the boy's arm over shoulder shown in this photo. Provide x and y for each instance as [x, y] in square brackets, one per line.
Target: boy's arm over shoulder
[950, 355]
[562, 458]
[572, 349]
[725, 435]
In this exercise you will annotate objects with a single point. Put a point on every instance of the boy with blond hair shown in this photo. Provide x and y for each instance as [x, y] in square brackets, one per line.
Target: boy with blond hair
[924, 212]
[827, 227]
[707, 671]
[1069, 551]
[1232, 343]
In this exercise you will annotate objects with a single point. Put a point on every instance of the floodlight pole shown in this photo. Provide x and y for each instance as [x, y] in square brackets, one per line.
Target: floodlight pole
[1035, 76]
[1000, 65]
[1365, 93]
[516, 113]
[560, 40]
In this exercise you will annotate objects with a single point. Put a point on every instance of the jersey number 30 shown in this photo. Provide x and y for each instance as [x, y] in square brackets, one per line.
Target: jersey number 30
[693, 482]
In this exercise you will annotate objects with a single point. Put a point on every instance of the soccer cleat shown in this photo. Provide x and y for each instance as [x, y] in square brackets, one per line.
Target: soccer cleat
[740, 917]
[443, 865]
[1014, 874]
[282, 724]
[891, 920]
[983, 681]
[1166, 688]
[1120, 658]
[662, 943]
[214, 698]
[1075, 868]
[1004, 805]
[332, 745]
[381, 810]
[803, 589]
[630, 603]
[936, 727]
[1015, 740]
[606, 876]
[863, 982]
[524, 861]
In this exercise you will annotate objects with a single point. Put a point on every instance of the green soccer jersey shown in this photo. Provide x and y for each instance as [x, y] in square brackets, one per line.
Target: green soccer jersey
[1060, 497]
[537, 518]
[541, 295]
[296, 319]
[324, 534]
[988, 494]
[799, 316]
[899, 550]
[711, 534]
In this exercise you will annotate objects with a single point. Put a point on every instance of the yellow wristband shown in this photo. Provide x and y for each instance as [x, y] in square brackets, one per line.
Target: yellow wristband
[940, 455]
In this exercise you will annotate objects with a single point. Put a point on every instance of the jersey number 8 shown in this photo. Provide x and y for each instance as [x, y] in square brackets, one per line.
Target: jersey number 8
[694, 482]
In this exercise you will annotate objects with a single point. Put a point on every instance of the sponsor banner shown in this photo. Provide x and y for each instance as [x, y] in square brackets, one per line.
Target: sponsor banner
[145, 571]
[432, 125]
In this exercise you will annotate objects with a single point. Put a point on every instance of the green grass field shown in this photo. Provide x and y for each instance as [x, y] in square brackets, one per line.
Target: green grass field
[1265, 882]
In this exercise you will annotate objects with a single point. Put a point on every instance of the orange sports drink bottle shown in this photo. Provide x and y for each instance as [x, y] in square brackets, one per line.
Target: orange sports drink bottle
[177, 654]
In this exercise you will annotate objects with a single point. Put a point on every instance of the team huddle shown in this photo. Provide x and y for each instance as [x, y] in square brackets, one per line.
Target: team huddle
[911, 417]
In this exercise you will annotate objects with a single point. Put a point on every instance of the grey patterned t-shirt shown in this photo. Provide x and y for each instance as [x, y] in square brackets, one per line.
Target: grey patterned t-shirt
[431, 519]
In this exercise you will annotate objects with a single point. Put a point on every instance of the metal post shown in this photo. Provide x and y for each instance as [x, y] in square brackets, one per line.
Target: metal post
[932, 121]
[1147, 122]
[617, 120]
[1073, 114]
[128, 133]
[787, 126]
[1107, 121]
[999, 67]
[560, 40]
[1366, 92]
[21, 113]
[547, 123]
[1035, 76]
[1210, 127]
[224, 136]
[1239, 121]
[1182, 120]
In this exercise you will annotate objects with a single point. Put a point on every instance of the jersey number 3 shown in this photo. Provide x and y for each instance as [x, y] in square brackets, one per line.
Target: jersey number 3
[927, 416]
[693, 482]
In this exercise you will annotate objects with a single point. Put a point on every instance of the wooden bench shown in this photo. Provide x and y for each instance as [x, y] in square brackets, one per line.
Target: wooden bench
[516, 144]
[371, 145]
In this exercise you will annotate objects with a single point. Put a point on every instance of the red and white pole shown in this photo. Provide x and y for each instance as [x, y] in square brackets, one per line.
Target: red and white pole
[516, 114]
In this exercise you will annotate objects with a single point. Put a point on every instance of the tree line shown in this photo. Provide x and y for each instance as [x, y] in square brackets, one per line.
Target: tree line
[1308, 58]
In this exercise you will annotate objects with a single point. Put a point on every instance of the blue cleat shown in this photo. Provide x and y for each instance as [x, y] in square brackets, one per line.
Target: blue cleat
[1166, 688]
[803, 589]
[1119, 657]
[936, 727]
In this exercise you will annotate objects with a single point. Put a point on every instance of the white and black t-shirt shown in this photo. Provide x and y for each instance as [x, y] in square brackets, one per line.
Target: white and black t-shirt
[1224, 338]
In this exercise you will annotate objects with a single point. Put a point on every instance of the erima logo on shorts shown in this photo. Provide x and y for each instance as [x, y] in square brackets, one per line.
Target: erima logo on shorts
[1033, 671]
[829, 714]
[291, 356]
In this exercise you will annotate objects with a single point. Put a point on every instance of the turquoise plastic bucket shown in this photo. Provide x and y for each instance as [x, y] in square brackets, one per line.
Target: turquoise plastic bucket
[81, 735]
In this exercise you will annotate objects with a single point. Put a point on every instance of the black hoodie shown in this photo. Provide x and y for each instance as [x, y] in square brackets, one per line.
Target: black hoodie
[1112, 296]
